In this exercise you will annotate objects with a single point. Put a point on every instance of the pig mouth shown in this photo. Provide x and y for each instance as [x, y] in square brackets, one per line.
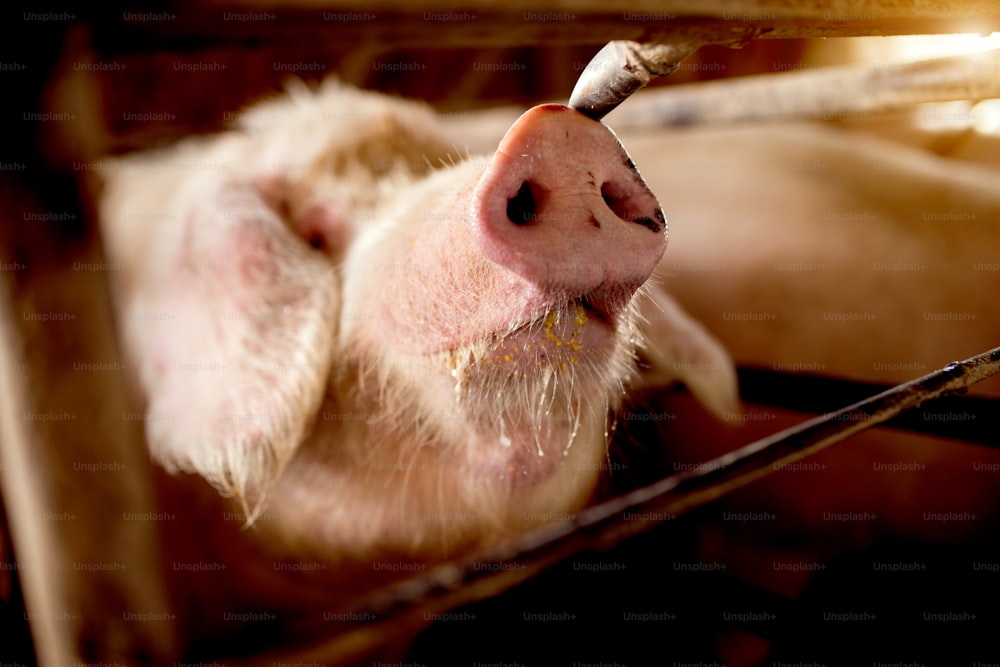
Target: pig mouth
[589, 335]
[583, 311]
[571, 332]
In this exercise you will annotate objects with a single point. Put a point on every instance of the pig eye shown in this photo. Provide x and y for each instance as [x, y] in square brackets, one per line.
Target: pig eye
[521, 207]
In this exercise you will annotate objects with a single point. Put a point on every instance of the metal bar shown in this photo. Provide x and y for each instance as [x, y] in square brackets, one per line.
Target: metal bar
[829, 93]
[972, 419]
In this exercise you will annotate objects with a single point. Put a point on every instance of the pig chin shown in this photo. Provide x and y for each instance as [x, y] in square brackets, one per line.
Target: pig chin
[473, 444]
[516, 408]
[535, 393]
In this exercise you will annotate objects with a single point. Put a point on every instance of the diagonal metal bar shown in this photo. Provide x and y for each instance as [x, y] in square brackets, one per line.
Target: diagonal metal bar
[726, 473]
[399, 608]
[974, 419]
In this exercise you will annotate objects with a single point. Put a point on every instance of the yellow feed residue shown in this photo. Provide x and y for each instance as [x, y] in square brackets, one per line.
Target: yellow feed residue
[458, 365]
[572, 341]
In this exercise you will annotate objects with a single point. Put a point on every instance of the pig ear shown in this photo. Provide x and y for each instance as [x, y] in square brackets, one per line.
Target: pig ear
[679, 349]
[237, 364]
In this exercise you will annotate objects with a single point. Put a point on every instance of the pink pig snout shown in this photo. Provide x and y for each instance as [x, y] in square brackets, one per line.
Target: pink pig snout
[563, 206]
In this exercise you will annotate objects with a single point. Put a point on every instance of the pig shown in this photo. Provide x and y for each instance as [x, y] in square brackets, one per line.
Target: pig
[362, 351]
[808, 249]
[356, 364]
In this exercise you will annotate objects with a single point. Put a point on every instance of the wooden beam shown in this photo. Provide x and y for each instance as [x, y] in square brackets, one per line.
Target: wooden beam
[523, 22]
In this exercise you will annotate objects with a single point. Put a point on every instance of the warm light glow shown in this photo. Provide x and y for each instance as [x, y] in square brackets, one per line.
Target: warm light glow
[959, 116]
[923, 47]
[986, 117]
[983, 117]
[945, 116]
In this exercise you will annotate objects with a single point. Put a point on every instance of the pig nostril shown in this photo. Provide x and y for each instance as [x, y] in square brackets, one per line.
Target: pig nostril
[614, 201]
[316, 240]
[521, 207]
[608, 199]
[621, 206]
